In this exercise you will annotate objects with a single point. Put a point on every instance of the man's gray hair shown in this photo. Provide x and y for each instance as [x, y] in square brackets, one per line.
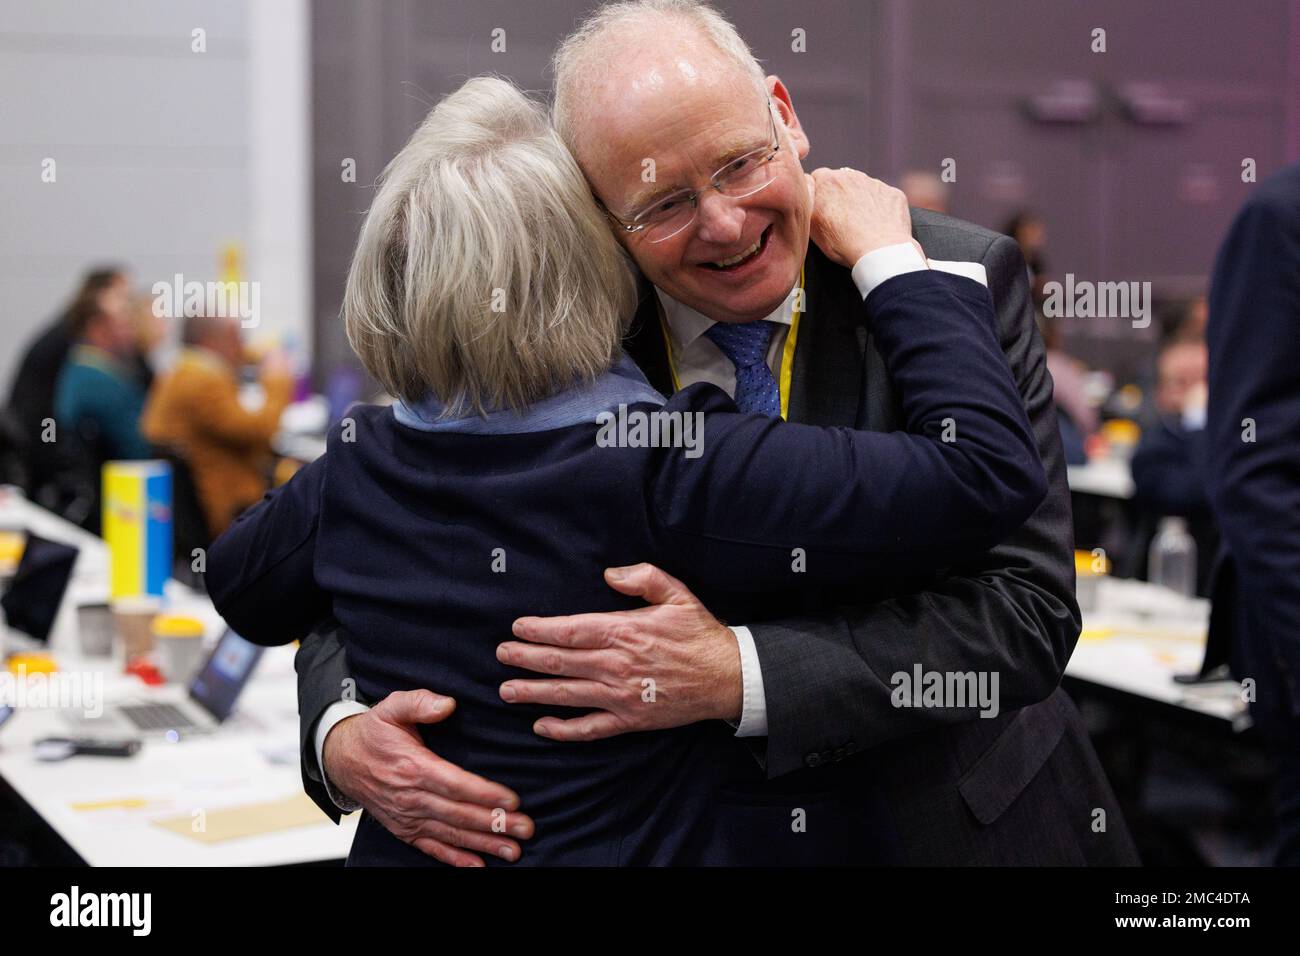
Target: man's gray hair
[484, 271]
[584, 57]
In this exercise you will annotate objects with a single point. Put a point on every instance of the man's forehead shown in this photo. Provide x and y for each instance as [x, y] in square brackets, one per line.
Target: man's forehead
[643, 98]
[628, 131]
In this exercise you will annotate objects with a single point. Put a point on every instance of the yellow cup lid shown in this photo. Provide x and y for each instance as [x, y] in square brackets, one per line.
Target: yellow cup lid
[1087, 565]
[1122, 431]
[177, 625]
[32, 664]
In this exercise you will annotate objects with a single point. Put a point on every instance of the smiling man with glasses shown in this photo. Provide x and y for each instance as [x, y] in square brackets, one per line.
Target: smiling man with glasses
[665, 215]
[759, 279]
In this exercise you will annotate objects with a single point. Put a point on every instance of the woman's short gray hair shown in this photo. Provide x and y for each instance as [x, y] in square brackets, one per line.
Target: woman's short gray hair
[484, 271]
[586, 53]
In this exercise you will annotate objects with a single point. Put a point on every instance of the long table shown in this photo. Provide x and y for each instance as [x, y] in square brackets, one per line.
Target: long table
[1135, 640]
[171, 804]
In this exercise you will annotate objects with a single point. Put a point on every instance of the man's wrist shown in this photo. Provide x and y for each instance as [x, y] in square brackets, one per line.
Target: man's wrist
[731, 700]
[336, 714]
[752, 720]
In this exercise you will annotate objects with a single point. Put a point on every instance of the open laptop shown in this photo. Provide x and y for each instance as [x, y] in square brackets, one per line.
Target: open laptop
[211, 699]
[32, 600]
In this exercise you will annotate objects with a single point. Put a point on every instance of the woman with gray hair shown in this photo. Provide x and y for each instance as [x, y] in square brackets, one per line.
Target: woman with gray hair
[526, 454]
[484, 272]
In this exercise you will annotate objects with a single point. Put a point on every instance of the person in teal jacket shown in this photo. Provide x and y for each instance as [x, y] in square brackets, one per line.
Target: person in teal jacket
[98, 392]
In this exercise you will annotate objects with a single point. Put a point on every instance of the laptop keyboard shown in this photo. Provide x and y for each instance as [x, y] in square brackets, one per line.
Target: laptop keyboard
[157, 717]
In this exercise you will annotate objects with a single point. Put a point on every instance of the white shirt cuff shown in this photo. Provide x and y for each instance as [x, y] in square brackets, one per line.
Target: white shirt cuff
[974, 271]
[885, 263]
[753, 707]
[333, 714]
[889, 261]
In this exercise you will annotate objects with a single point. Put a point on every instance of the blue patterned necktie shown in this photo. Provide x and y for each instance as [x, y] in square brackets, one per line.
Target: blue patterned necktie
[746, 345]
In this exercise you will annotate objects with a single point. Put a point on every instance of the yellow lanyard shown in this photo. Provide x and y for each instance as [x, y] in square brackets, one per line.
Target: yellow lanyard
[787, 351]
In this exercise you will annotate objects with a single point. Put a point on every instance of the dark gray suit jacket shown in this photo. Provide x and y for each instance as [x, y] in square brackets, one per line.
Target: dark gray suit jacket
[1024, 787]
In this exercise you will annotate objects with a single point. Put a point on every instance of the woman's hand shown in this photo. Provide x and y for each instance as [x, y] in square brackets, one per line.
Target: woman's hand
[854, 214]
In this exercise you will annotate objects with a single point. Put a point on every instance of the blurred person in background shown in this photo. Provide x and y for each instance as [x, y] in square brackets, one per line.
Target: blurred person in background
[195, 411]
[1183, 320]
[31, 400]
[1169, 464]
[150, 332]
[1030, 233]
[924, 190]
[1176, 320]
[1253, 467]
[99, 395]
[1075, 415]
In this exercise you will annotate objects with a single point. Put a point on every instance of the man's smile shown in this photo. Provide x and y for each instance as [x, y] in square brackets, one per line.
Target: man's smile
[746, 260]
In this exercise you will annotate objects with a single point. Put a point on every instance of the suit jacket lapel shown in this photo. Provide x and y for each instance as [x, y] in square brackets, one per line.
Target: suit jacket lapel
[644, 341]
[827, 381]
[882, 411]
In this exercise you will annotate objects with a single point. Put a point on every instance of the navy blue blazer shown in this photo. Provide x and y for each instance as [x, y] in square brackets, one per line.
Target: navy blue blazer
[1253, 449]
[401, 533]
[1169, 469]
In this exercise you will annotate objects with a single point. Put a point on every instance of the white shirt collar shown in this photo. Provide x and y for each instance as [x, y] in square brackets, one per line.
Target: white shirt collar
[685, 324]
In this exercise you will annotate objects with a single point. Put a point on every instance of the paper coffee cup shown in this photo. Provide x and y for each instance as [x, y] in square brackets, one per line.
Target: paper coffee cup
[95, 629]
[133, 620]
[178, 640]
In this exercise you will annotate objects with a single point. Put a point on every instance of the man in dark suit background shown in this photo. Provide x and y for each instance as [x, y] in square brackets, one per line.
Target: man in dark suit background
[1253, 466]
[668, 87]
[32, 396]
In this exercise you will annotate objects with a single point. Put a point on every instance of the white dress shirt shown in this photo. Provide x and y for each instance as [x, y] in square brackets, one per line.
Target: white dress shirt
[697, 359]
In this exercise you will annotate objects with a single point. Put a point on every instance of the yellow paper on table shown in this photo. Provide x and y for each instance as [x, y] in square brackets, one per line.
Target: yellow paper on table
[251, 819]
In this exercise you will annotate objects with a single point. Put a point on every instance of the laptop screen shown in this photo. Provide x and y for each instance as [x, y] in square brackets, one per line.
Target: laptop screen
[219, 683]
[36, 592]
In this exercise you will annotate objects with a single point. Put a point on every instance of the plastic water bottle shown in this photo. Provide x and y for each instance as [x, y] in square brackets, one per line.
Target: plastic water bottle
[1172, 559]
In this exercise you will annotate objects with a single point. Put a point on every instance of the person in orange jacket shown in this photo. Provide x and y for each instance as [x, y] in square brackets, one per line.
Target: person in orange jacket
[195, 411]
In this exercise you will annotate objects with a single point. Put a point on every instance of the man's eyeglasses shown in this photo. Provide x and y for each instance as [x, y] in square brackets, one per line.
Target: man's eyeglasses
[740, 177]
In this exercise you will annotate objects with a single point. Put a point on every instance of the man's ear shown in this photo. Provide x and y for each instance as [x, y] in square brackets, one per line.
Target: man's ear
[785, 107]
